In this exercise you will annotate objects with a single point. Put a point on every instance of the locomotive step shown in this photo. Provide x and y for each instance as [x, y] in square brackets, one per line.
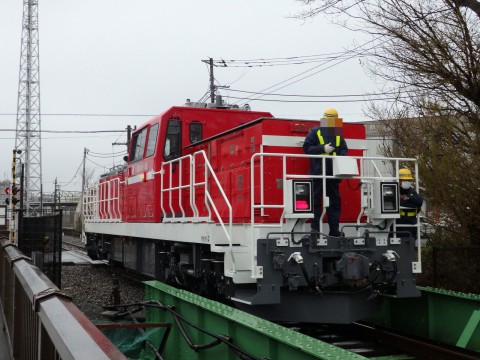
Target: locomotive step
[244, 296]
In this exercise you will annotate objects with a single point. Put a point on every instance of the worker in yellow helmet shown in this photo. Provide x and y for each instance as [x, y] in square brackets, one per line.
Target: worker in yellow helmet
[326, 139]
[330, 114]
[410, 202]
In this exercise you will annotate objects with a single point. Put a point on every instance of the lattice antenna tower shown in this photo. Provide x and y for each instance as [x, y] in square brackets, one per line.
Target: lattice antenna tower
[28, 134]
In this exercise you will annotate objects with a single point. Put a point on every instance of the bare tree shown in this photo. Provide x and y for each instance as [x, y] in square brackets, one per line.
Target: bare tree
[428, 50]
[428, 54]
[449, 171]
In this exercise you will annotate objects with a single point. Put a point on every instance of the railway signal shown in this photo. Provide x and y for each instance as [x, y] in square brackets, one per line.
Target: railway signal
[12, 193]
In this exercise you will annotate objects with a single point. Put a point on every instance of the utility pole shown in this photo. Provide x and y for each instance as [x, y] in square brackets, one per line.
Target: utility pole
[129, 135]
[28, 134]
[212, 85]
[212, 79]
[82, 219]
[55, 196]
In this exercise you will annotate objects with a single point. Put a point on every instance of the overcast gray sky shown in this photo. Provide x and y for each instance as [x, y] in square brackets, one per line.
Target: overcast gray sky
[126, 57]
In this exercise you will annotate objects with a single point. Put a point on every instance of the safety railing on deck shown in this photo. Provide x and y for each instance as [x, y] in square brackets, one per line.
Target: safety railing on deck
[102, 202]
[109, 199]
[42, 322]
[90, 203]
[188, 187]
[369, 170]
[180, 180]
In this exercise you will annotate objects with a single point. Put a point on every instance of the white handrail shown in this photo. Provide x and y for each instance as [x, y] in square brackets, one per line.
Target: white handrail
[228, 232]
[208, 200]
[363, 161]
[102, 201]
[169, 190]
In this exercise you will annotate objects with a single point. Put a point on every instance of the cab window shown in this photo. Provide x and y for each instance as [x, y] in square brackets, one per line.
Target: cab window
[152, 140]
[172, 146]
[138, 144]
[195, 132]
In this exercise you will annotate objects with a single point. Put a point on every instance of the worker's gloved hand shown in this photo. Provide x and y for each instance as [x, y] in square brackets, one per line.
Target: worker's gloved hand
[329, 148]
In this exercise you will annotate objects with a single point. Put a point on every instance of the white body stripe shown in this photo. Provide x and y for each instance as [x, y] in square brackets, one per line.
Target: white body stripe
[297, 141]
[140, 177]
[135, 179]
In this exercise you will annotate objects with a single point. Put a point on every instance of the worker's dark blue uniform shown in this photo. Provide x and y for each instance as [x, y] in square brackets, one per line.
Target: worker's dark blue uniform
[409, 209]
[314, 144]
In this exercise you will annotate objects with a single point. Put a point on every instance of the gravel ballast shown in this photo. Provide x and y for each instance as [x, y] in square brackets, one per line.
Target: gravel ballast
[90, 287]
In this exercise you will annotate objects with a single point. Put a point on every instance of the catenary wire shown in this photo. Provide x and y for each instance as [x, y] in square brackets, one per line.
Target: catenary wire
[315, 101]
[312, 96]
[65, 131]
[106, 154]
[85, 114]
[362, 46]
[93, 162]
[295, 60]
[74, 176]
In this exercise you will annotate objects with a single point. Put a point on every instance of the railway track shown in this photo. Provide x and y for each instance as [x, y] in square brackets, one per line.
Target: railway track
[423, 349]
[72, 245]
[375, 342]
[353, 338]
[76, 248]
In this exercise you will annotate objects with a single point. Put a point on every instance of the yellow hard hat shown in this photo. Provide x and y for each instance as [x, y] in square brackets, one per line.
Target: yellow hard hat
[330, 114]
[405, 174]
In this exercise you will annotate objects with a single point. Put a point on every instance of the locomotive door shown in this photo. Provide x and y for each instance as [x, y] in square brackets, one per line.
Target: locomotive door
[172, 148]
[140, 190]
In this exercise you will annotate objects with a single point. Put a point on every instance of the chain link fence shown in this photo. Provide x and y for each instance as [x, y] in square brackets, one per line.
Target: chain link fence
[40, 237]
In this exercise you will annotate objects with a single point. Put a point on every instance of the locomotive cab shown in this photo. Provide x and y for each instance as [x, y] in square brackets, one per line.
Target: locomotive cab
[162, 140]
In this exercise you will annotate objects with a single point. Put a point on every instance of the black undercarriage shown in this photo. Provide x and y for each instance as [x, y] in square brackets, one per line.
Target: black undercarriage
[338, 283]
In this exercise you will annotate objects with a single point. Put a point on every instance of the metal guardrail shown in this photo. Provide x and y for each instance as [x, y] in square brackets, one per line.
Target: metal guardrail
[444, 316]
[41, 321]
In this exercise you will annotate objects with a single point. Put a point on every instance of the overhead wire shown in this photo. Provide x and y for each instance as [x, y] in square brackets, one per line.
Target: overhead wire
[294, 60]
[339, 57]
[109, 156]
[317, 101]
[106, 154]
[85, 114]
[118, 137]
[74, 176]
[93, 162]
[76, 137]
[276, 86]
[100, 155]
[64, 131]
[312, 96]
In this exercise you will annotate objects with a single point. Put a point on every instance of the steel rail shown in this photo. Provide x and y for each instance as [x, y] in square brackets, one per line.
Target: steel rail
[423, 348]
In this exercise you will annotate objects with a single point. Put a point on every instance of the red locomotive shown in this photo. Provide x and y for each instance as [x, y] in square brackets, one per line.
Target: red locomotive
[217, 200]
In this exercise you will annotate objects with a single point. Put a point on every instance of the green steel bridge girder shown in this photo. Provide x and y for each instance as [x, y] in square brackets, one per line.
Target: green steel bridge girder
[259, 338]
[443, 316]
